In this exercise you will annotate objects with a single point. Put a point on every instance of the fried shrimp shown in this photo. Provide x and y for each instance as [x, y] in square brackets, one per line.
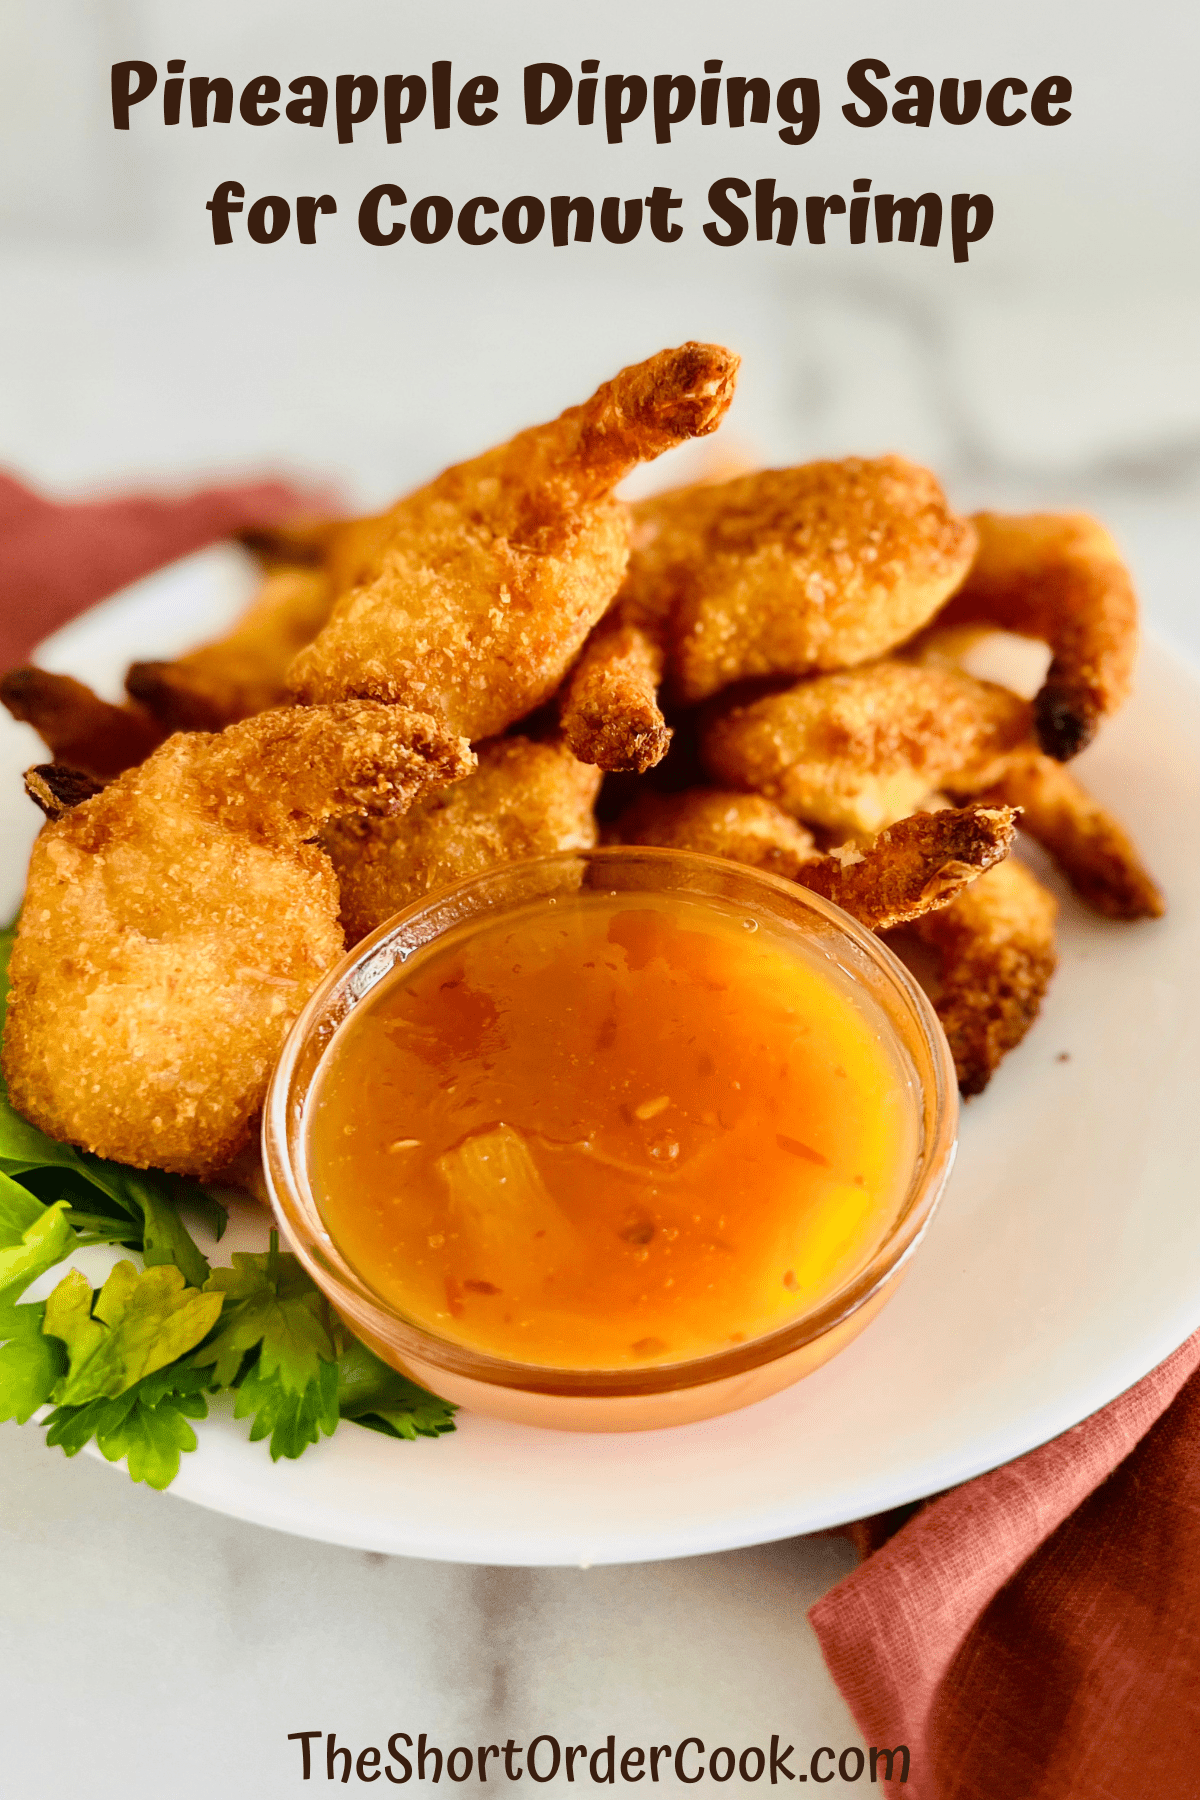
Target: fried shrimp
[857, 750]
[494, 574]
[1060, 578]
[609, 706]
[609, 710]
[915, 867]
[995, 949]
[1091, 848]
[788, 571]
[76, 726]
[244, 671]
[525, 799]
[175, 924]
[744, 828]
[919, 864]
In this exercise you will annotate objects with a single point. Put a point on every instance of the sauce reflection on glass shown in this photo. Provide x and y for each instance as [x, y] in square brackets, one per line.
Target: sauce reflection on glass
[611, 1131]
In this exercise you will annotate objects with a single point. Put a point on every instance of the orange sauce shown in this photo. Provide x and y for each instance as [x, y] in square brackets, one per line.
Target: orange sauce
[610, 1131]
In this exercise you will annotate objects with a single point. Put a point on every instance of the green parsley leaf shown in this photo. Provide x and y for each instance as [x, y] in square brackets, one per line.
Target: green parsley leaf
[19, 1209]
[166, 1239]
[33, 1238]
[23, 1146]
[274, 1345]
[292, 1420]
[206, 1202]
[374, 1395]
[141, 1321]
[270, 1306]
[147, 1424]
[30, 1364]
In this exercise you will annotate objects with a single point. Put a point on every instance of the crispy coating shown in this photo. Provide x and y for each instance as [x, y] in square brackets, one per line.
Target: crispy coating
[175, 924]
[244, 672]
[996, 954]
[915, 867]
[525, 799]
[779, 572]
[1091, 848]
[1058, 577]
[918, 864]
[76, 726]
[792, 570]
[609, 708]
[743, 827]
[496, 571]
[857, 750]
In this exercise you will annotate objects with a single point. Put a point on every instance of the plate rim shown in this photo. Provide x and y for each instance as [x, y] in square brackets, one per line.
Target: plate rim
[255, 1501]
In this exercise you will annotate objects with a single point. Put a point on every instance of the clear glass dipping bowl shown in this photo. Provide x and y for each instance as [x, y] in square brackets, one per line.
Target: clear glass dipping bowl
[613, 1399]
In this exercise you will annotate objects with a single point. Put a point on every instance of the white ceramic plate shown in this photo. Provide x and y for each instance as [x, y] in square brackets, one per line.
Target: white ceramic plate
[1064, 1262]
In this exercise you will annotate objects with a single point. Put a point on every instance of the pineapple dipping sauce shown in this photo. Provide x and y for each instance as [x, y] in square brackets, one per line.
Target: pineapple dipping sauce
[611, 1130]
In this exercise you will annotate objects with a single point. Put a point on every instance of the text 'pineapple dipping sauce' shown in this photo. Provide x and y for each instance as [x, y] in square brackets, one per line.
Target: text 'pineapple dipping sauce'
[611, 1130]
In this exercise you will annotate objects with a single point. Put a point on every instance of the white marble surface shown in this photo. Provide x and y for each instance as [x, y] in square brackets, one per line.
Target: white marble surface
[148, 1648]
[168, 1651]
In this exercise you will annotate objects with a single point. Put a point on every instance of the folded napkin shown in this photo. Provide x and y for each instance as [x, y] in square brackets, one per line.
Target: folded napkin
[1036, 1632]
[58, 557]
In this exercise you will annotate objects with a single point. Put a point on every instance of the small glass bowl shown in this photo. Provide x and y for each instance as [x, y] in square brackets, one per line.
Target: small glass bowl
[614, 1399]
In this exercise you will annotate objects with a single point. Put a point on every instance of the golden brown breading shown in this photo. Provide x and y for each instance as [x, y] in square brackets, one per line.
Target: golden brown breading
[792, 570]
[995, 946]
[783, 571]
[495, 573]
[1093, 851]
[525, 799]
[857, 750]
[76, 726]
[243, 672]
[175, 924]
[1058, 577]
[609, 708]
[744, 828]
[917, 865]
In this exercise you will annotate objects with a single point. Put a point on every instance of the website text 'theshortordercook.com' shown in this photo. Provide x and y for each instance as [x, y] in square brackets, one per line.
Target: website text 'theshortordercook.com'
[320, 1756]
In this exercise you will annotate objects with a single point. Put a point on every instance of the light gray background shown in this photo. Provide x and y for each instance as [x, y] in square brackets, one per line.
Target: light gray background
[148, 1648]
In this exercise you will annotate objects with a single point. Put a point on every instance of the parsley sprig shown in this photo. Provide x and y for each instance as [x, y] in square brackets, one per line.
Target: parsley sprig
[133, 1362]
[274, 1344]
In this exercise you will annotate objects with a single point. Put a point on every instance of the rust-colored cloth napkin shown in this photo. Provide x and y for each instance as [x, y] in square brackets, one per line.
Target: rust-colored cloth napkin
[1036, 1632]
[59, 557]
